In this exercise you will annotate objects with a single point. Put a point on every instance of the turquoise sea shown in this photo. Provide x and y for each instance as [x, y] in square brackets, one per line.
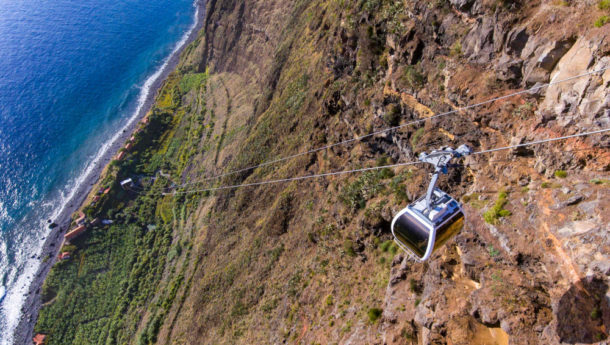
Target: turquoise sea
[72, 75]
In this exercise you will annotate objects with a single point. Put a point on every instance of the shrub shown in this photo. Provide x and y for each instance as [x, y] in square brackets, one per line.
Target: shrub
[385, 246]
[392, 117]
[414, 77]
[412, 285]
[561, 174]
[456, 49]
[604, 4]
[497, 211]
[374, 314]
[601, 21]
[192, 80]
[348, 247]
[365, 187]
[595, 313]
[416, 136]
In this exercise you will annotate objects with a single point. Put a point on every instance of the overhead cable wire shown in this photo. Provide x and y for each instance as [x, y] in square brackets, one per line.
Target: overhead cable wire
[306, 177]
[459, 109]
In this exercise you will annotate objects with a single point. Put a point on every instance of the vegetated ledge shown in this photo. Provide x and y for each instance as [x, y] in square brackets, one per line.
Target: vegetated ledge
[116, 264]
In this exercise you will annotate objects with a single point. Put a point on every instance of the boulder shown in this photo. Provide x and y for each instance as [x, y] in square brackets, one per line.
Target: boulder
[479, 42]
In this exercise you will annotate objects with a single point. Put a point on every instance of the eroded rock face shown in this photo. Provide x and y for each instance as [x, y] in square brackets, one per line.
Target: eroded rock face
[585, 101]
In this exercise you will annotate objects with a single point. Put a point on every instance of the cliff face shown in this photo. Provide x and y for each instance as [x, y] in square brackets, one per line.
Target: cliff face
[302, 262]
[312, 261]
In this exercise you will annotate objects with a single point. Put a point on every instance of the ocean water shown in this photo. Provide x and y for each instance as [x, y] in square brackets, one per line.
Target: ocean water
[72, 75]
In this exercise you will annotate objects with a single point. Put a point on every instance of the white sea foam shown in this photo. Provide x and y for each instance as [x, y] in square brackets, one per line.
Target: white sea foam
[10, 309]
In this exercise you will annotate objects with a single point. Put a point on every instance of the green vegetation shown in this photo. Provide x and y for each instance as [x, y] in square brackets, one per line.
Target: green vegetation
[116, 270]
[416, 136]
[348, 247]
[456, 49]
[392, 117]
[549, 185]
[474, 200]
[191, 81]
[598, 181]
[374, 314]
[492, 215]
[524, 111]
[603, 4]
[389, 247]
[595, 313]
[493, 252]
[414, 78]
[561, 174]
[368, 185]
[601, 21]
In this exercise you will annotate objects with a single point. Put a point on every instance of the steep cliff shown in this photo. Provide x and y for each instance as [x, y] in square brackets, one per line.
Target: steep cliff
[311, 261]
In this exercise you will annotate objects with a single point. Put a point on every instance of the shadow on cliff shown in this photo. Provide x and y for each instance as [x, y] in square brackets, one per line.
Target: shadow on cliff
[583, 313]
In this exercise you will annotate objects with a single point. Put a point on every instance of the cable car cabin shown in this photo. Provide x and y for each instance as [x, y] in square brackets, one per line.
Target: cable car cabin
[420, 232]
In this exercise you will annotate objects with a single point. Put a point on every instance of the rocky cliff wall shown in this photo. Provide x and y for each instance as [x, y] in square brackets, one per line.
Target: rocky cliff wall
[311, 262]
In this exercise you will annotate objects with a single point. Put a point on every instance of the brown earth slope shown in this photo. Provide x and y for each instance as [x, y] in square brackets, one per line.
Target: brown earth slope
[307, 262]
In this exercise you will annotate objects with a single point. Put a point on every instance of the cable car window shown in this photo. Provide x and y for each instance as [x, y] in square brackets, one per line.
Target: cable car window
[449, 229]
[411, 233]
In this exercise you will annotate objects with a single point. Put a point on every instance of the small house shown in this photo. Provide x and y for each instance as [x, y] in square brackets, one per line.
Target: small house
[96, 198]
[120, 156]
[81, 219]
[75, 233]
[107, 190]
[128, 146]
[64, 256]
[39, 339]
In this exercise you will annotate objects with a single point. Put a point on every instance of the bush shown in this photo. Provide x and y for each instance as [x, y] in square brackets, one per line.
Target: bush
[456, 49]
[604, 4]
[348, 247]
[374, 314]
[385, 246]
[365, 187]
[416, 136]
[601, 21]
[191, 81]
[561, 174]
[392, 117]
[414, 78]
[497, 211]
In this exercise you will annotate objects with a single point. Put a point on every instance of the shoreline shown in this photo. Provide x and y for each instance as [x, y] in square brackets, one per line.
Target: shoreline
[24, 331]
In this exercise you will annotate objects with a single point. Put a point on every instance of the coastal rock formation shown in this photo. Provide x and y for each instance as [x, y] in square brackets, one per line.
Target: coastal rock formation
[312, 261]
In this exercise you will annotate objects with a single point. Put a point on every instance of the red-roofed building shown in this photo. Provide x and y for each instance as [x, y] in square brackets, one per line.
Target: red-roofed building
[39, 339]
[74, 233]
[96, 198]
[120, 156]
[64, 256]
[107, 190]
[128, 146]
[81, 218]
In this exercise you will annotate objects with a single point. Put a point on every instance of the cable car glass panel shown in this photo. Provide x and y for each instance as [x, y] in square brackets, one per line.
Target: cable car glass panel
[411, 233]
